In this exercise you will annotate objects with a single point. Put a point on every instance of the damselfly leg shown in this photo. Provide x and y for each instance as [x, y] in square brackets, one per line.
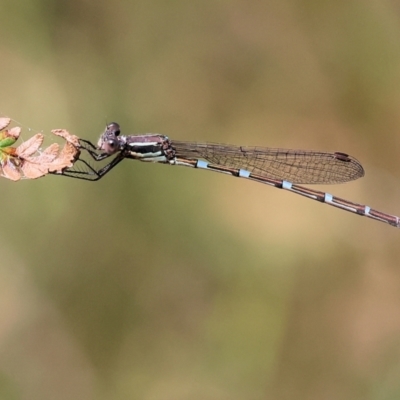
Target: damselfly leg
[108, 146]
[83, 169]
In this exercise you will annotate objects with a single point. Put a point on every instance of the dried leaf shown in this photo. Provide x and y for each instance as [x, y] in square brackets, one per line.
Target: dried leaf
[46, 156]
[27, 161]
[36, 166]
[69, 152]
[74, 140]
[65, 159]
[33, 170]
[14, 132]
[30, 147]
[10, 170]
[4, 122]
[50, 153]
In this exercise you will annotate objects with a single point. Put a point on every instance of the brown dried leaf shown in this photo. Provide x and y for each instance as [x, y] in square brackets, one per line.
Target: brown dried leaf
[52, 149]
[4, 122]
[65, 159]
[74, 140]
[14, 132]
[36, 166]
[69, 152]
[27, 161]
[30, 147]
[33, 170]
[49, 154]
[11, 171]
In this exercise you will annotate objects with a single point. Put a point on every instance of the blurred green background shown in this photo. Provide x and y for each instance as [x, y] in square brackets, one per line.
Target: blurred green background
[169, 283]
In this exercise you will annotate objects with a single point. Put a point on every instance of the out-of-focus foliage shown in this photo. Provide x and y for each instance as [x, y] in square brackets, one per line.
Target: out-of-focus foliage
[166, 283]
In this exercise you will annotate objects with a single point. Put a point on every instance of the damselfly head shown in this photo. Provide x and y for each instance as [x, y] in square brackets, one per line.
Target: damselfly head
[109, 141]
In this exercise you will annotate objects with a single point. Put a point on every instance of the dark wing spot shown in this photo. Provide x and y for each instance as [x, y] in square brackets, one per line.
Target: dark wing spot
[342, 156]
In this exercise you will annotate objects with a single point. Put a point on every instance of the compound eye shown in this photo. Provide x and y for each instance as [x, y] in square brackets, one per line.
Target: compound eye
[110, 146]
[112, 143]
[114, 128]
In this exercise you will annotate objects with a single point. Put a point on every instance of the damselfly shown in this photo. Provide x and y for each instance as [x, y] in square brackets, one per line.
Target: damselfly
[283, 169]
